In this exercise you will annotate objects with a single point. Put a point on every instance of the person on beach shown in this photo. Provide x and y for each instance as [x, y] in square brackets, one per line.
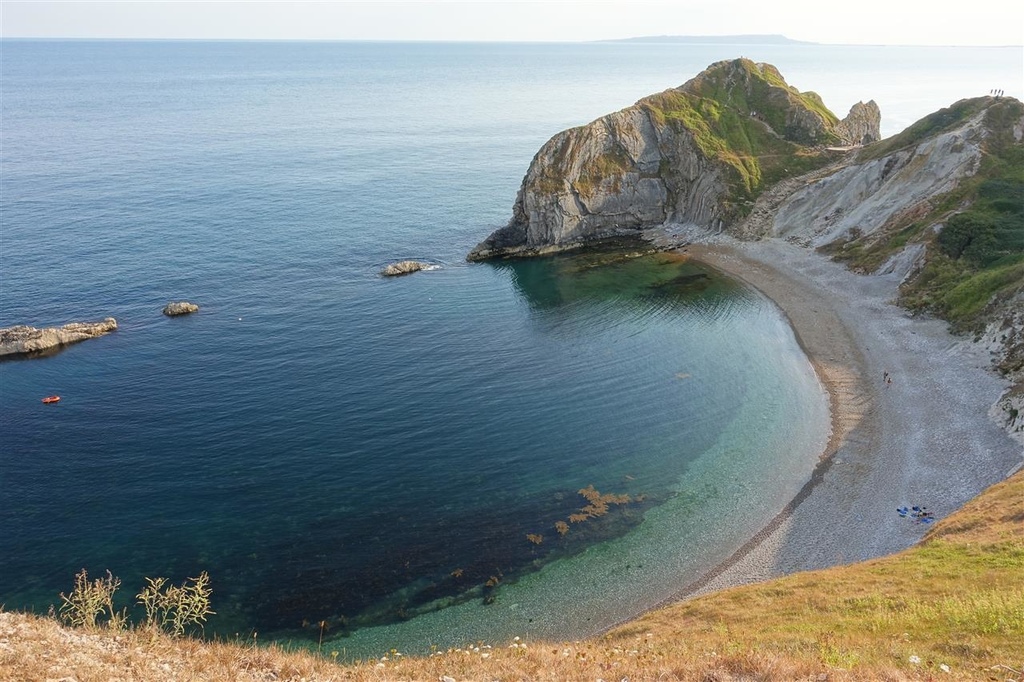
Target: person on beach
[888, 382]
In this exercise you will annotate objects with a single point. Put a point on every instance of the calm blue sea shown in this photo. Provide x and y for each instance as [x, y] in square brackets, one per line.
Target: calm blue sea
[334, 446]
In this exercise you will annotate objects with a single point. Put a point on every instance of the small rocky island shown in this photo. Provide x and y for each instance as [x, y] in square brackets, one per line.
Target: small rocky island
[404, 267]
[176, 308]
[24, 340]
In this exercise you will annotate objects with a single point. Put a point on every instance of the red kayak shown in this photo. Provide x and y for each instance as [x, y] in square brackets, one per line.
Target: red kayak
[51, 399]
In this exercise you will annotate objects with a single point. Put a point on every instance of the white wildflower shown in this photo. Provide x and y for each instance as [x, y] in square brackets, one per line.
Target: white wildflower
[916, 660]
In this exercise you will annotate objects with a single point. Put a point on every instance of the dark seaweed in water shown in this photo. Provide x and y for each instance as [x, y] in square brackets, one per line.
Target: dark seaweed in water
[412, 564]
[689, 283]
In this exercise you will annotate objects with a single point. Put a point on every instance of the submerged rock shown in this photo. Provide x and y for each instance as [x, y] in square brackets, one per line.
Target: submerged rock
[403, 267]
[24, 340]
[180, 308]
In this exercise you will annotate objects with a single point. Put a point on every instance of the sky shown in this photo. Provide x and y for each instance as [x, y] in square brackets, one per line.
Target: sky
[874, 22]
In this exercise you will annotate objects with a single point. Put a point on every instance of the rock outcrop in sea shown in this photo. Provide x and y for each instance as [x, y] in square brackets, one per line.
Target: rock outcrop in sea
[176, 308]
[24, 340]
[403, 267]
[698, 154]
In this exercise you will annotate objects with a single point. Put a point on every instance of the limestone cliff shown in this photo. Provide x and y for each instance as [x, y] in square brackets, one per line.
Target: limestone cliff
[696, 154]
[941, 207]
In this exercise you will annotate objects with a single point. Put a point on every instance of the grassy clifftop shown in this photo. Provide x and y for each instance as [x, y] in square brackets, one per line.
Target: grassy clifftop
[746, 116]
[950, 608]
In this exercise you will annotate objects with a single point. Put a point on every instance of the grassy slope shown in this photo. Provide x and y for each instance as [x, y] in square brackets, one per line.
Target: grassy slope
[956, 600]
[716, 109]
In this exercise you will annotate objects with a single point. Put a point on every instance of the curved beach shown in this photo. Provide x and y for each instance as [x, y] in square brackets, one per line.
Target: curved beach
[924, 439]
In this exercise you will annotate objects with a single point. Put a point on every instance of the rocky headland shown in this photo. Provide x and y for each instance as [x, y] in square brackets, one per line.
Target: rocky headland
[697, 154]
[24, 340]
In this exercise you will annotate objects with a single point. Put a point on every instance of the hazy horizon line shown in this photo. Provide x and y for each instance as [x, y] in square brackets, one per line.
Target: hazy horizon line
[634, 40]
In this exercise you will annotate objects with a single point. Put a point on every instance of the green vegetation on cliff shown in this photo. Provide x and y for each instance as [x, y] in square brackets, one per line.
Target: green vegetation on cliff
[978, 255]
[746, 116]
[612, 164]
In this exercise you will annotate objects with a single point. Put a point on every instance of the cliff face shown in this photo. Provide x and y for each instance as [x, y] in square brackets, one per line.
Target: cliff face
[863, 197]
[694, 154]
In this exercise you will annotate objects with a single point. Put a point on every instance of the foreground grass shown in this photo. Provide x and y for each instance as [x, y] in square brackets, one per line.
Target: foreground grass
[950, 608]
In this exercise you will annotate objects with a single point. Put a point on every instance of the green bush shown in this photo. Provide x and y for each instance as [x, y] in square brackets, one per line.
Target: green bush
[991, 230]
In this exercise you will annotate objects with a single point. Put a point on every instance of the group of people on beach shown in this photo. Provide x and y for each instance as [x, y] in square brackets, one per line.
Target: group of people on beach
[920, 514]
[887, 378]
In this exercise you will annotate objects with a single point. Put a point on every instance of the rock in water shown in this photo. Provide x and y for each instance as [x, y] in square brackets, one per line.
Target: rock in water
[403, 267]
[180, 308]
[24, 340]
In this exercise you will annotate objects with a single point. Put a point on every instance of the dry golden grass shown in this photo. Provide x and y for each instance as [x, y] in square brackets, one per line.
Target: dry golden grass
[951, 608]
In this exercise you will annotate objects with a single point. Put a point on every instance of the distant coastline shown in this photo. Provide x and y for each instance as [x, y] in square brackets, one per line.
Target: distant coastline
[771, 39]
[740, 39]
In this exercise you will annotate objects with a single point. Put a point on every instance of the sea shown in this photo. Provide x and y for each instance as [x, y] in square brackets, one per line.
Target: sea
[538, 448]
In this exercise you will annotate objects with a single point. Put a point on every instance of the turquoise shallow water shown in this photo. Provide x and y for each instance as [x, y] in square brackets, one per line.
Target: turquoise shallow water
[332, 445]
